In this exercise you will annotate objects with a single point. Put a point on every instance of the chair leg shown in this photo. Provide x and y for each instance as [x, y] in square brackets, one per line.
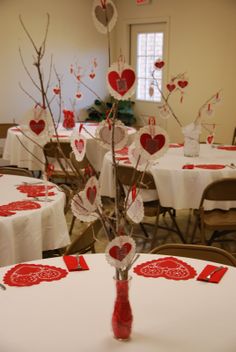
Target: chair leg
[72, 224]
[143, 229]
[177, 227]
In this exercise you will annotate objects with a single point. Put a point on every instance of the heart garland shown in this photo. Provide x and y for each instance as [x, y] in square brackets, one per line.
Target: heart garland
[32, 274]
[169, 268]
[120, 251]
[121, 80]
[104, 15]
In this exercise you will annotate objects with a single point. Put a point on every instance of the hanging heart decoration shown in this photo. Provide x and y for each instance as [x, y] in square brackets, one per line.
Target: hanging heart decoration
[79, 209]
[171, 87]
[210, 139]
[120, 251]
[78, 144]
[135, 209]
[152, 142]
[182, 84]
[159, 64]
[169, 268]
[91, 195]
[121, 81]
[32, 274]
[104, 15]
[164, 112]
[37, 126]
[104, 134]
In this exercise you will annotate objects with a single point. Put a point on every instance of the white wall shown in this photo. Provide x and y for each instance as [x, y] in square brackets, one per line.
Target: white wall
[202, 43]
[72, 38]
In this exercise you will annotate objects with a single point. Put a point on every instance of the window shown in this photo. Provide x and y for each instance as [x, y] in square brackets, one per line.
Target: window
[147, 46]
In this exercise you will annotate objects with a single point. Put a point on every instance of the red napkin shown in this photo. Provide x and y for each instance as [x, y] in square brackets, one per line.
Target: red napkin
[210, 166]
[227, 147]
[60, 135]
[71, 262]
[216, 277]
[176, 145]
[120, 158]
[123, 151]
[188, 166]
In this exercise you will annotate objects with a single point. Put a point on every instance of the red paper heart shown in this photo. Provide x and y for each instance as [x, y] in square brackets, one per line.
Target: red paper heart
[120, 253]
[92, 75]
[152, 144]
[37, 126]
[104, 14]
[182, 84]
[169, 268]
[170, 87]
[159, 64]
[32, 274]
[121, 84]
[78, 95]
[56, 90]
[91, 194]
[79, 145]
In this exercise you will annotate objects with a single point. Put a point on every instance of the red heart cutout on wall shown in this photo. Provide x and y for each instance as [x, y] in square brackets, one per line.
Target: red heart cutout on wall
[120, 253]
[152, 144]
[170, 87]
[91, 194]
[182, 84]
[169, 268]
[121, 84]
[79, 145]
[32, 274]
[37, 126]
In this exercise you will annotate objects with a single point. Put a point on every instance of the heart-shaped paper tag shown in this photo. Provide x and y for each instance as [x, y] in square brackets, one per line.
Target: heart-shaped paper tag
[32, 274]
[152, 144]
[104, 15]
[210, 139]
[120, 251]
[104, 134]
[168, 267]
[78, 144]
[37, 126]
[79, 209]
[121, 81]
[91, 194]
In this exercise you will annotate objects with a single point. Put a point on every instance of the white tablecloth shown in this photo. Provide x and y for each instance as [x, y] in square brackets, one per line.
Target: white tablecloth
[26, 234]
[18, 152]
[180, 188]
[74, 313]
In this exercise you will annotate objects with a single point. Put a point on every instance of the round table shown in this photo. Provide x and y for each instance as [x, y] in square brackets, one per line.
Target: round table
[17, 151]
[24, 235]
[177, 187]
[74, 313]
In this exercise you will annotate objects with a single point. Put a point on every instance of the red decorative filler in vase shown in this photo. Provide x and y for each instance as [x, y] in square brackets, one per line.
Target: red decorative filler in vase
[69, 119]
[122, 317]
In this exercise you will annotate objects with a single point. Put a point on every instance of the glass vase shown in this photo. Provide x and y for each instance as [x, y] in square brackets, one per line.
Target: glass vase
[122, 317]
[191, 139]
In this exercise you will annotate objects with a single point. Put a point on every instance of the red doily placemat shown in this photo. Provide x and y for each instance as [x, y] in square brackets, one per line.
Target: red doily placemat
[168, 267]
[210, 166]
[36, 190]
[227, 147]
[6, 213]
[20, 205]
[32, 274]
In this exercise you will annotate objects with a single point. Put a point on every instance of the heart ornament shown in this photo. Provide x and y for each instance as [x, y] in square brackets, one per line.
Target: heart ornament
[169, 268]
[91, 194]
[37, 123]
[32, 274]
[120, 251]
[121, 81]
[104, 134]
[210, 139]
[79, 209]
[164, 112]
[151, 142]
[78, 144]
[135, 209]
[104, 15]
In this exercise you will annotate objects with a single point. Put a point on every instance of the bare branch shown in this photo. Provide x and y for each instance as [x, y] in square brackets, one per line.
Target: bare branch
[29, 95]
[28, 34]
[27, 71]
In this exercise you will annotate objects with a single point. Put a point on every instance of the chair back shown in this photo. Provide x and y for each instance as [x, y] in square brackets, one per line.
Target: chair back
[202, 252]
[57, 150]
[8, 170]
[129, 176]
[80, 165]
[4, 127]
[220, 190]
[85, 242]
